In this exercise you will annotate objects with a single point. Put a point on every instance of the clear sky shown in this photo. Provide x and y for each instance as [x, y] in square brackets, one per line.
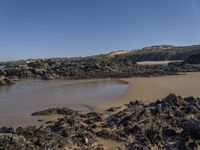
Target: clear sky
[53, 28]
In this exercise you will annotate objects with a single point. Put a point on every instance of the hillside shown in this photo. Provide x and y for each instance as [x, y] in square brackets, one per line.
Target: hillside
[152, 53]
[163, 52]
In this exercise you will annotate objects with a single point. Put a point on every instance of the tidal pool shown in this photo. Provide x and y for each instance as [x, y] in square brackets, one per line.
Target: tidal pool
[18, 101]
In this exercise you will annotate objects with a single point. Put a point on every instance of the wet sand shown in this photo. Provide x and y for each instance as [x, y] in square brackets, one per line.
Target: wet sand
[150, 89]
[87, 95]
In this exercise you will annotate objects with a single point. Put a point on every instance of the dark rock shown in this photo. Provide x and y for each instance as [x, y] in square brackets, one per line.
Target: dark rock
[192, 127]
[193, 59]
[7, 130]
[47, 77]
[153, 136]
[50, 111]
[172, 123]
[112, 109]
[190, 99]
[2, 72]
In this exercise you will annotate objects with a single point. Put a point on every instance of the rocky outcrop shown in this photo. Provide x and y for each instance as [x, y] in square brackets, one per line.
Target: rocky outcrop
[171, 123]
[102, 66]
[163, 52]
[90, 67]
[193, 59]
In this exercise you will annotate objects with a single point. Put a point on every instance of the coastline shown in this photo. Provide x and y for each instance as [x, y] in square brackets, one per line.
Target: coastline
[95, 130]
[149, 89]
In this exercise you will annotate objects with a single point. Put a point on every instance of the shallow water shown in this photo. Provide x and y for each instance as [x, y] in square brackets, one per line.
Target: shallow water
[18, 101]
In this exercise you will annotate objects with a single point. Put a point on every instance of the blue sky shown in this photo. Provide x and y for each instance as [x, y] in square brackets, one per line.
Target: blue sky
[64, 28]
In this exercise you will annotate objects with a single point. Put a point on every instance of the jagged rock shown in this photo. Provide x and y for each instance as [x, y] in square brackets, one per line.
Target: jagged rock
[153, 136]
[192, 127]
[190, 144]
[12, 141]
[193, 59]
[101, 66]
[171, 123]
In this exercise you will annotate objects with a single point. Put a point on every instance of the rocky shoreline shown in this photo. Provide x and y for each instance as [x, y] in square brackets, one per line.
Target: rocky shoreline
[89, 67]
[170, 123]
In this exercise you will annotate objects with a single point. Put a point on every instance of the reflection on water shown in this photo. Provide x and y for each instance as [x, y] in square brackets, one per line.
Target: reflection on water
[17, 102]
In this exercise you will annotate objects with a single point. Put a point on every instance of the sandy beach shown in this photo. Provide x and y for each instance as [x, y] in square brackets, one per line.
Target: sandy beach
[153, 88]
[157, 62]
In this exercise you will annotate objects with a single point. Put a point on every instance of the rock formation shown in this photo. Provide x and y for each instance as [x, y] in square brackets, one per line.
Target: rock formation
[171, 123]
[193, 59]
[89, 67]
